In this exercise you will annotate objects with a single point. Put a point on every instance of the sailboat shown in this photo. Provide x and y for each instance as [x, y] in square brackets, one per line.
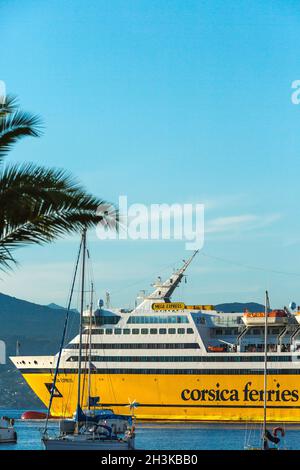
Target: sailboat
[90, 429]
[267, 436]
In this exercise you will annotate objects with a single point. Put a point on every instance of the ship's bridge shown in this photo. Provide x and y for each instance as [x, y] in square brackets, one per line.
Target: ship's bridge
[100, 317]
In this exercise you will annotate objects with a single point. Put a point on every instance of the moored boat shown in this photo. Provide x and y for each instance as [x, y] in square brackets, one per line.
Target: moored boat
[7, 430]
[89, 429]
[102, 430]
[31, 415]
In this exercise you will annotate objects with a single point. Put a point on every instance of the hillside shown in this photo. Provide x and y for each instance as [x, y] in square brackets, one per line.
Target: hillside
[38, 329]
[240, 307]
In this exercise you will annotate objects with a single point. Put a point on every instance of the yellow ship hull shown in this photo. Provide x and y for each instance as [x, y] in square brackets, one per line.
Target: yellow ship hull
[177, 397]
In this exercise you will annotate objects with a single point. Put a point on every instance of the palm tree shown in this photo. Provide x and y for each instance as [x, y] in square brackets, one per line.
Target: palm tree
[15, 124]
[39, 204]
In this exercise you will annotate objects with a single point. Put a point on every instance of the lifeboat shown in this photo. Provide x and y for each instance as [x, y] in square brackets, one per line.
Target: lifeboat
[33, 415]
[216, 348]
[275, 317]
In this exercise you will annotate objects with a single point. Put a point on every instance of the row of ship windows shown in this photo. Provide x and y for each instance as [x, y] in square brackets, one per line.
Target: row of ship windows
[135, 359]
[224, 331]
[29, 362]
[229, 320]
[142, 331]
[156, 319]
[252, 331]
[189, 371]
[179, 359]
[135, 346]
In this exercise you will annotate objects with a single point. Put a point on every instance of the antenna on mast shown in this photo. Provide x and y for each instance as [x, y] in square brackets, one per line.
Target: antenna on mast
[264, 437]
[107, 299]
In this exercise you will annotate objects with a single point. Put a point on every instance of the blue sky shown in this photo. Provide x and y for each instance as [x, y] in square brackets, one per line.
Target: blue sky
[165, 101]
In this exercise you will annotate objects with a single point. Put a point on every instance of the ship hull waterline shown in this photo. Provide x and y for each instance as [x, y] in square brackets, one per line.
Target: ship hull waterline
[179, 397]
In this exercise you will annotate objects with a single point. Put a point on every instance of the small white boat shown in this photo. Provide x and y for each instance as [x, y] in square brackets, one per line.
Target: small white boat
[7, 430]
[87, 431]
[81, 443]
[88, 440]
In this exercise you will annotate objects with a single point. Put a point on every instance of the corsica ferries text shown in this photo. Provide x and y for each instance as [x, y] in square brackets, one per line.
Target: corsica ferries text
[247, 394]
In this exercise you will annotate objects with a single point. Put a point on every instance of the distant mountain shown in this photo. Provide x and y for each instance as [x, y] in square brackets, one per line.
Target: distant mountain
[59, 307]
[55, 306]
[29, 322]
[38, 329]
[240, 307]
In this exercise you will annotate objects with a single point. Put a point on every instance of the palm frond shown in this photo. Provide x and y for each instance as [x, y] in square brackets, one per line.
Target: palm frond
[46, 228]
[40, 204]
[9, 105]
[27, 189]
[6, 259]
[15, 126]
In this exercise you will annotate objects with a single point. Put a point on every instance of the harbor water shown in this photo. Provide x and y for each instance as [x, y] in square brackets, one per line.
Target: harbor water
[164, 435]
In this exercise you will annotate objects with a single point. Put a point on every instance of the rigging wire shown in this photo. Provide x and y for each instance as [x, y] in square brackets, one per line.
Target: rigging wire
[250, 267]
[145, 279]
[90, 282]
[217, 258]
[63, 336]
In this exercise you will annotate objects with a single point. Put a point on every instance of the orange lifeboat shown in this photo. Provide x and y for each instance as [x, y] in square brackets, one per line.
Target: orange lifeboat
[216, 348]
[277, 313]
[34, 415]
[275, 317]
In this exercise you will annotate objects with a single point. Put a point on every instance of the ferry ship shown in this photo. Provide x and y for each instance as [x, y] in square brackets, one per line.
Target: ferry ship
[177, 361]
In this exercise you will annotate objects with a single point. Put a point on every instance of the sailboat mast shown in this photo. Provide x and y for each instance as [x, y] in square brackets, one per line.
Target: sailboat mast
[81, 317]
[90, 343]
[265, 370]
[63, 338]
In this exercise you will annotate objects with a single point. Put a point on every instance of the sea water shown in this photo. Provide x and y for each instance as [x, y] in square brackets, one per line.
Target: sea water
[164, 435]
